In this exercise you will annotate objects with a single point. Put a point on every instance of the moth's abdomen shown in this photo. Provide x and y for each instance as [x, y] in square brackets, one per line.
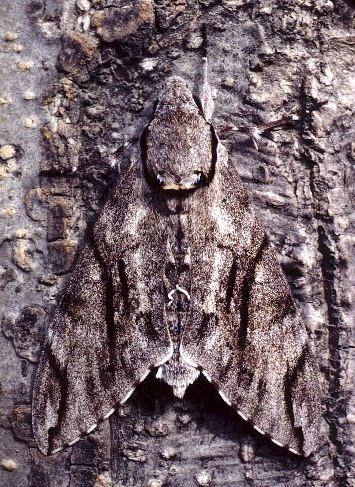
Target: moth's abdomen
[178, 374]
[176, 371]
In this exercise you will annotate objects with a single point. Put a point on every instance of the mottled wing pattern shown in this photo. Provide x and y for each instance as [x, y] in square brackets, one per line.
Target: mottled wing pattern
[244, 331]
[109, 329]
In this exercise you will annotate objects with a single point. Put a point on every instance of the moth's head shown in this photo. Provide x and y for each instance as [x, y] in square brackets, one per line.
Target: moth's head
[178, 145]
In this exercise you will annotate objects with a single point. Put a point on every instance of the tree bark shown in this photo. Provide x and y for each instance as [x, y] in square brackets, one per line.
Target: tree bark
[79, 79]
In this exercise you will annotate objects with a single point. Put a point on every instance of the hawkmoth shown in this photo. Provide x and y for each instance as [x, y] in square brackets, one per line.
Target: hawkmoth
[178, 276]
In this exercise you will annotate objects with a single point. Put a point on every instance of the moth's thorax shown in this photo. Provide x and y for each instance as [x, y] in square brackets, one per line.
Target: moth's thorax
[177, 144]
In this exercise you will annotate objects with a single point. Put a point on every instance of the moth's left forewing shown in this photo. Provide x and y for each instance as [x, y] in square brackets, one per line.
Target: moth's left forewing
[244, 331]
[109, 329]
[72, 389]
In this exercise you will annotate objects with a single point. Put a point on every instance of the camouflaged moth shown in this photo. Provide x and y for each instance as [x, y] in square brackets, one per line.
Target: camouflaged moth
[178, 276]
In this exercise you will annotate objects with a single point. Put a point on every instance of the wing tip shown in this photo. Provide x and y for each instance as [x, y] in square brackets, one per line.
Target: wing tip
[245, 418]
[230, 403]
[47, 451]
[82, 434]
[103, 418]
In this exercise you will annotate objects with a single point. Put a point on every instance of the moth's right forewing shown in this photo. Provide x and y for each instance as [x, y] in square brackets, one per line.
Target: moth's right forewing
[244, 331]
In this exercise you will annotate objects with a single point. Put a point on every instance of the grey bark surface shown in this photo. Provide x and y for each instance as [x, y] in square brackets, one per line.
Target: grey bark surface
[80, 78]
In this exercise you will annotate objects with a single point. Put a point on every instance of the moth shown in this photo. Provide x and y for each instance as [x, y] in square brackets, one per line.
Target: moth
[178, 276]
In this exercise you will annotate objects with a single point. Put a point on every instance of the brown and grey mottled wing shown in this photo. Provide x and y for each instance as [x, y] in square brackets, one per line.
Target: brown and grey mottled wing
[109, 329]
[244, 330]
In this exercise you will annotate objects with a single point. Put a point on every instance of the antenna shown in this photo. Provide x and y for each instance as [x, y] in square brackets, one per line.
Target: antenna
[204, 88]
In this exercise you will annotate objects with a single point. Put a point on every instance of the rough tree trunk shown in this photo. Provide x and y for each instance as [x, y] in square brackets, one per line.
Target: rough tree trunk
[80, 78]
